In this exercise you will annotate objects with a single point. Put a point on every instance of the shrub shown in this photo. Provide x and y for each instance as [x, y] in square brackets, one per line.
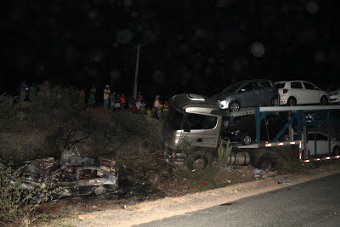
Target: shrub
[13, 201]
[8, 112]
[224, 151]
[10, 194]
[134, 125]
[285, 159]
[20, 199]
[52, 104]
[67, 135]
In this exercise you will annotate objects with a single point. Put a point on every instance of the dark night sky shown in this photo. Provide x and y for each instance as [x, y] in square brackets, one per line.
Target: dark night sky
[199, 46]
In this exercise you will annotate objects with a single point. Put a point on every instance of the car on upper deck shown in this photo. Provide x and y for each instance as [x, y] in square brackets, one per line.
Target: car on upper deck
[299, 92]
[247, 93]
[334, 96]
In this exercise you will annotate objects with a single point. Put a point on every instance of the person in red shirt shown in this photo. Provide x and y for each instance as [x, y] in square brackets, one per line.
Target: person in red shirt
[122, 101]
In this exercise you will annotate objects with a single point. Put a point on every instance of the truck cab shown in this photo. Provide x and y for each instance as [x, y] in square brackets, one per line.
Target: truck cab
[191, 119]
[192, 132]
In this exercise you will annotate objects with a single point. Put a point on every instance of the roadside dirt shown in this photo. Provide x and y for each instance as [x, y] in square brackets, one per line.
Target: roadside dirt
[168, 207]
[140, 185]
[148, 194]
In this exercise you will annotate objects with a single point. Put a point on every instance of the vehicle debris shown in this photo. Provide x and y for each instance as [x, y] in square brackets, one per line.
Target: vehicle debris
[72, 175]
[262, 174]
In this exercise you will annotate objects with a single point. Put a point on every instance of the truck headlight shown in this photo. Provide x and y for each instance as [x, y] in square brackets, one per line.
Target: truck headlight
[223, 104]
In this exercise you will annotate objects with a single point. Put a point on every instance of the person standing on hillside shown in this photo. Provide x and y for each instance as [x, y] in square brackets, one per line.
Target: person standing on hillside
[122, 101]
[138, 104]
[139, 96]
[23, 92]
[117, 104]
[81, 98]
[92, 97]
[142, 107]
[107, 94]
[156, 106]
[113, 98]
[165, 109]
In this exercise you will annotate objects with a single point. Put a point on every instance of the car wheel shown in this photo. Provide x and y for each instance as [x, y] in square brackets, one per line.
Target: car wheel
[199, 160]
[100, 190]
[324, 100]
[336, 151]
[234, 106]
[291, 101]
[274, 101]
[246, 139]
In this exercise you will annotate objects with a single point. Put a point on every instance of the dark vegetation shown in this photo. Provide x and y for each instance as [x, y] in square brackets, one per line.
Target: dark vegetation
[54, 120]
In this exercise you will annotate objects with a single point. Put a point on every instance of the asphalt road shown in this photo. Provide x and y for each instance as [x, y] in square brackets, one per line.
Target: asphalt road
[315, 203]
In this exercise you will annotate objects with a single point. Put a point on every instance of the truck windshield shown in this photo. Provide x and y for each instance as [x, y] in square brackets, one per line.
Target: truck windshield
[173, 120]
[176, 121]
[199, 121]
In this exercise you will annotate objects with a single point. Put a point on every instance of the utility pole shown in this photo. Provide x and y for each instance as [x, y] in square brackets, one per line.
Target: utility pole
[136, 71]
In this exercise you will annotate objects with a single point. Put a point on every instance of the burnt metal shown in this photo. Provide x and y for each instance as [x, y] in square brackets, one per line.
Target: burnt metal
[68, 180]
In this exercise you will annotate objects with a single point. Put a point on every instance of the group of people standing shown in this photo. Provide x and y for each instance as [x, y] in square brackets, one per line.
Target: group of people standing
[118, 101]
[160, 109]
[111, 100]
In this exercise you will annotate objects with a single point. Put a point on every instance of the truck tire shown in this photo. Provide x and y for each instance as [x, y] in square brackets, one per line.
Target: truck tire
[199, 159]
[246, 139]
[336, 151]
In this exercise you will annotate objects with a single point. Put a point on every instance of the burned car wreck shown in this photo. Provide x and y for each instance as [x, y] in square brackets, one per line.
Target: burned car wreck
[73, 176]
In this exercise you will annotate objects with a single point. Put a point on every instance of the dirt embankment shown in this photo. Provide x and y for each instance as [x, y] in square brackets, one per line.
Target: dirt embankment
[128, 215]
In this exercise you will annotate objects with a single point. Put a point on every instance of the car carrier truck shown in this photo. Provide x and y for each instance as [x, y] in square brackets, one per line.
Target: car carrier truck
[192, 133]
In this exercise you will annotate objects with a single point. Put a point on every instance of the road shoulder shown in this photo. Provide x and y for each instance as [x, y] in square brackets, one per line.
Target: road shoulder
[171, 206]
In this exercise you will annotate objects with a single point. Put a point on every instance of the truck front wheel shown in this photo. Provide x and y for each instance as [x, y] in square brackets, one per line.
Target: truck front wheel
[199, 160]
